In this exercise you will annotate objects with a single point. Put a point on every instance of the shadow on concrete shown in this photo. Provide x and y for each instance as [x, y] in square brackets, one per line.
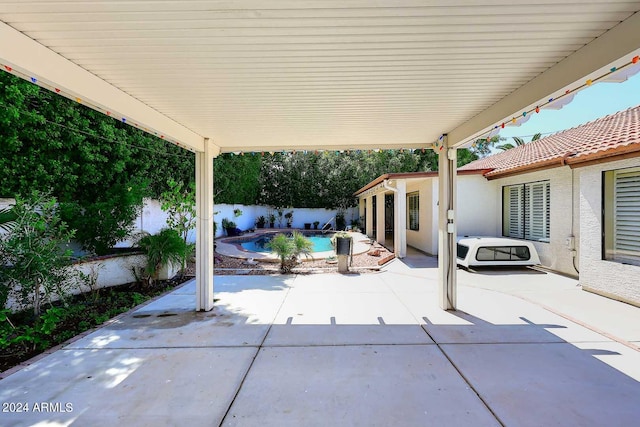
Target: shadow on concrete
[503, 271]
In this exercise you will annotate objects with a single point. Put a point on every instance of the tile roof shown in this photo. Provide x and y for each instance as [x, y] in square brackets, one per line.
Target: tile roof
[608, 136]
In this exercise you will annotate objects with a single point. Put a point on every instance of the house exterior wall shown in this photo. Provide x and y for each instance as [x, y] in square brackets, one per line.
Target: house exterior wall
[476, 210]
[564, 215]
[421, 239]
[608, 278]
[476, 207]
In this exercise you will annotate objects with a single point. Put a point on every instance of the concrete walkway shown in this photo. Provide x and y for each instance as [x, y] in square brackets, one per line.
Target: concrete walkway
[345, 350]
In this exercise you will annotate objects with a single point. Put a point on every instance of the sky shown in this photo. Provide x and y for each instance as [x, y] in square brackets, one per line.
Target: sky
[589, 104]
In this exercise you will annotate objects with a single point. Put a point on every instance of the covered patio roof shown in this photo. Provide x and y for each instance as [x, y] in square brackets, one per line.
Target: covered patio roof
[249, 75]
[259, 76]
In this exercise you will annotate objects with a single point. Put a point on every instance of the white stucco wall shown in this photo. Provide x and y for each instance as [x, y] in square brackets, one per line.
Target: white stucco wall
[564, 215]
[422, 239]
[476, 207]
[609, 278]
[106, 272]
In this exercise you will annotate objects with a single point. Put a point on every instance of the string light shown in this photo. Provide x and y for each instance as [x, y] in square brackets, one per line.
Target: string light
[588, 82]
[513, 120]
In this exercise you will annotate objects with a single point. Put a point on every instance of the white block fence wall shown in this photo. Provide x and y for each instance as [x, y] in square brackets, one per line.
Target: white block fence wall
[152, 218]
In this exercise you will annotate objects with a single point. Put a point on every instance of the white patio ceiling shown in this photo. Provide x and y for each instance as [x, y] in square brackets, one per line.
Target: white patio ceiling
[258, 75]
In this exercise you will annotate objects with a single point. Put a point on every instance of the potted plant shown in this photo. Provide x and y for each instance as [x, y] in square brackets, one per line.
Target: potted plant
[307, 226]
[342, 242]
[261, 221]
[272, 220]
[289, 217]
[229, 227]
[316, 224]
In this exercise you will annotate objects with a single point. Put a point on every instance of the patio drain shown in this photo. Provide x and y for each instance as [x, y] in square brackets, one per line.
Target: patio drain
[166, 315]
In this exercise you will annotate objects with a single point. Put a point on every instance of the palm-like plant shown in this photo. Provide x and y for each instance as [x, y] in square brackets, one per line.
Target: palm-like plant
[301, 245]
[7, 218]
[289, 249]
[518, 142]
[166, 247]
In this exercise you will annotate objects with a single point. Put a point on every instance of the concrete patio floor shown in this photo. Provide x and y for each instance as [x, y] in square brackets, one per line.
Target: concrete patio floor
[349, 350]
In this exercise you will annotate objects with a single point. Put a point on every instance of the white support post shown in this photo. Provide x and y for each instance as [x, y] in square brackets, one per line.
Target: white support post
[400, 226]
[380, 218]
[369, 220]
[447, 245]
[204, 226]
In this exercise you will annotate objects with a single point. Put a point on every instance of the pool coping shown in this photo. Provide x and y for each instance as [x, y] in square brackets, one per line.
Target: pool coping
[226, 246]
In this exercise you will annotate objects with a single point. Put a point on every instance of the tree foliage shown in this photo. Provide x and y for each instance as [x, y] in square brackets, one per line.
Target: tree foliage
[236, 178]
[97, 167]
[329, 179]
[482, 147]
[179, 202]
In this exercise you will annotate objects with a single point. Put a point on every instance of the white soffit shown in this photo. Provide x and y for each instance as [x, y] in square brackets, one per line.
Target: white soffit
[269, 75]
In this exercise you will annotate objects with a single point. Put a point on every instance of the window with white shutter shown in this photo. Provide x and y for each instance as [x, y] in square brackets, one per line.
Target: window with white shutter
[526, 211]
[621, 203]
[413, 200]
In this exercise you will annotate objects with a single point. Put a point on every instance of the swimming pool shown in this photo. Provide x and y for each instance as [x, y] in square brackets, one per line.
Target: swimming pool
[321, 242]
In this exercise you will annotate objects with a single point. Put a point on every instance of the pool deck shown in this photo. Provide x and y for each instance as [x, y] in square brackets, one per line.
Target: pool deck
[225, 245]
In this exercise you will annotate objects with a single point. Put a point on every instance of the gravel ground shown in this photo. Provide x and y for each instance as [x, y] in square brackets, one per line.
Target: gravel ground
[366, 262]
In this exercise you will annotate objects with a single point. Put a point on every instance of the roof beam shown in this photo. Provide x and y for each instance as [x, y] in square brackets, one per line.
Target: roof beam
[30, 58]
[592, 60]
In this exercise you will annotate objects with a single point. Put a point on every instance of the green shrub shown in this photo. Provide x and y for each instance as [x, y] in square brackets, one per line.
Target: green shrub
[34, 264]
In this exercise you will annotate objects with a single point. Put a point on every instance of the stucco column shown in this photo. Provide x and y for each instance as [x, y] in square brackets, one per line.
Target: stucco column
[447, 235]
[380, 217]
[400, 219]
[369, 221]
[204, 226]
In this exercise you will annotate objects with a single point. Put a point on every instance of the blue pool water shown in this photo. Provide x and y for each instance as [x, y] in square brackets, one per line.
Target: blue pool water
[321, 243]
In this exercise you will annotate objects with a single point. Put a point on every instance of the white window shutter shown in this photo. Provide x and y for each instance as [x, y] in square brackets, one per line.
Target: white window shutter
[627, 215]
[536, 219]
[516, 220]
